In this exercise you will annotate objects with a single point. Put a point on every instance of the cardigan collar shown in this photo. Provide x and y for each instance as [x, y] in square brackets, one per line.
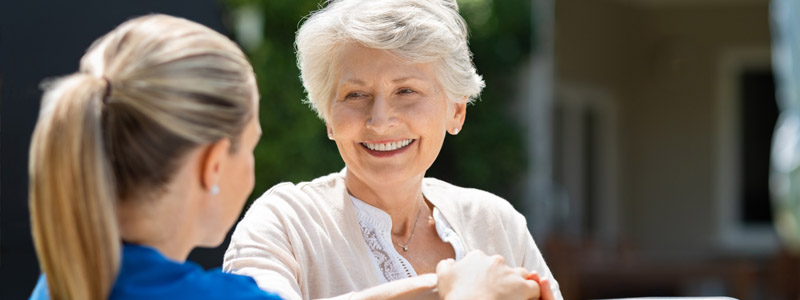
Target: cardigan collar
[436, 196]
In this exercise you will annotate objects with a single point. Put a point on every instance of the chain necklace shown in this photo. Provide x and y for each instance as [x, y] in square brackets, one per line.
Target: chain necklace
[414, 228]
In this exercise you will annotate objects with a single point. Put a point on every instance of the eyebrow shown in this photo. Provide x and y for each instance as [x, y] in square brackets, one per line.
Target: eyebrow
[354, 82]
[407, 78]
[398, 80]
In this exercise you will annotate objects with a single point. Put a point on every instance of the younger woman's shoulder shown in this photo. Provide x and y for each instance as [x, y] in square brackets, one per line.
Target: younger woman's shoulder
[215, 284]
[200, 285]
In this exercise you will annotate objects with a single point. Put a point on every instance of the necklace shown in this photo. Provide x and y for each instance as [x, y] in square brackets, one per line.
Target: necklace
[405, 247]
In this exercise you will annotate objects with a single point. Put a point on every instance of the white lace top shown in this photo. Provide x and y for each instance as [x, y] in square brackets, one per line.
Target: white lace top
[376, 226]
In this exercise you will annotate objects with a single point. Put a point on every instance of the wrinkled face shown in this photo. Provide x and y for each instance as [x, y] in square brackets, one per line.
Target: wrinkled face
[389, 117]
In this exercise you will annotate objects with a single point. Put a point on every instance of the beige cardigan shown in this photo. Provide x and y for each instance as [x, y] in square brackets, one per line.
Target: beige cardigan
[304, 241]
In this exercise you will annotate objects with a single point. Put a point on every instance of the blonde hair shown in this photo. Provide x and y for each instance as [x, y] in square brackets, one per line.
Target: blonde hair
[146, 93]
[418, 31]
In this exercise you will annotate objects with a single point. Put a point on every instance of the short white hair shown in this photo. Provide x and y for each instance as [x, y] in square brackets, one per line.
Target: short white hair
[417, 31]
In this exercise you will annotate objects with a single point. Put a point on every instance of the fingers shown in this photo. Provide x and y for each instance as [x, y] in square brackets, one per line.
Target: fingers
[445, 265]
[490, 277]
[537, 288]
[429, 280]
[533, 289]
[498, 260]
[546, 292]
[524, 273]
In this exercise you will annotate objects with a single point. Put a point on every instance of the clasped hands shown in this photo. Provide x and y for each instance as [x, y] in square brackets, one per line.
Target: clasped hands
[479, 276]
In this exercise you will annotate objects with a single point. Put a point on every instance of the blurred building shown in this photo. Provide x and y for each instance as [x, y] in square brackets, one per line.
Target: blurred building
[660, 133]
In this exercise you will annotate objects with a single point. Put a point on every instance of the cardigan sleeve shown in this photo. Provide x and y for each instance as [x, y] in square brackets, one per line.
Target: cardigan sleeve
[532, 258]
[260, 248]
[502, 229]
[266, 245]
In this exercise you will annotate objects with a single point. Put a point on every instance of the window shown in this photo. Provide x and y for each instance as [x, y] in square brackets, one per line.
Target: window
[584, 163]
[746, 119]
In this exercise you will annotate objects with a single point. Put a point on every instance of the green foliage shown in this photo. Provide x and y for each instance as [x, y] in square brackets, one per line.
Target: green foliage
[488, 154]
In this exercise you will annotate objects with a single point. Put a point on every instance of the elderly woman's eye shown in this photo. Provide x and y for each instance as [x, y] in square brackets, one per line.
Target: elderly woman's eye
[354, 95]
[406, 91]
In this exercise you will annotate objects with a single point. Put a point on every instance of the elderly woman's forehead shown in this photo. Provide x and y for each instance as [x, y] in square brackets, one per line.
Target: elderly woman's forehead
[357, 48]
[356, 57]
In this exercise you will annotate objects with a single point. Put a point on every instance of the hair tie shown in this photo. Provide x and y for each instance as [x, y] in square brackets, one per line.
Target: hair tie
[108, 90]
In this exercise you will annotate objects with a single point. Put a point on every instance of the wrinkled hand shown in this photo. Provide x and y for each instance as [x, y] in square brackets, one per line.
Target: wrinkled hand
[478, 276]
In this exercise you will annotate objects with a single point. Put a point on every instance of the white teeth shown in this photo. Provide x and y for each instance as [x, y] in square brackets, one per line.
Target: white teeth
[388, 146]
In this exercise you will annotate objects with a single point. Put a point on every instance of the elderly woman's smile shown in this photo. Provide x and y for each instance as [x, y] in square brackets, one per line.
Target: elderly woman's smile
[388, 147]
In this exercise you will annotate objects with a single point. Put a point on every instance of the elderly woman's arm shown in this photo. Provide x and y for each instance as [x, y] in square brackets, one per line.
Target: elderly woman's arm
[264, 255]
[532, 260]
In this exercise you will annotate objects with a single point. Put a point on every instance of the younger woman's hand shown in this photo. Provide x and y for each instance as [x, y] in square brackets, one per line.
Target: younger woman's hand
[478, 276]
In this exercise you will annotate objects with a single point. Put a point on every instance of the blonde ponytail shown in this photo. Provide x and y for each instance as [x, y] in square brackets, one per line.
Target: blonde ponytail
[147, 93]
[72, 192]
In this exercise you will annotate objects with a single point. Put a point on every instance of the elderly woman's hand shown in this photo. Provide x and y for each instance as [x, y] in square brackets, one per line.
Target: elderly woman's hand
[478, 276]
[544, 286]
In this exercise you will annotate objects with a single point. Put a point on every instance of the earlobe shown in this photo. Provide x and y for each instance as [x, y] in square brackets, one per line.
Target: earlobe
[330, 131]
[212, 165]
[214, 190]
[459, 116]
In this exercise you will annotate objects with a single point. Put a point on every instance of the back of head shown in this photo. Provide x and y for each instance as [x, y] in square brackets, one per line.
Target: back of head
[146, 93]
[416, 31]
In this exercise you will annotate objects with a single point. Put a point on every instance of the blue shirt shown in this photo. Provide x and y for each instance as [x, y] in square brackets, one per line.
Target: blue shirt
[146, 274]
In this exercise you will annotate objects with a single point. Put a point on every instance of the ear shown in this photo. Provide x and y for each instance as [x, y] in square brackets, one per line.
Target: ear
[330, 131]
[456, 116]
[213, 162]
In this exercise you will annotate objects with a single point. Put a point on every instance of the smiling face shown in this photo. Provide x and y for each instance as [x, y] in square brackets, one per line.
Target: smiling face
[389, 117]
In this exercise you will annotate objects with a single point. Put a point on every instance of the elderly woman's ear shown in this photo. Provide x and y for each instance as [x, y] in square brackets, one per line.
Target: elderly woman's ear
[456, 119]
[330, 131]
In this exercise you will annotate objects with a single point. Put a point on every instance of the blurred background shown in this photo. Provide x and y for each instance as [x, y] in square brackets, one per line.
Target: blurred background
[634, 134]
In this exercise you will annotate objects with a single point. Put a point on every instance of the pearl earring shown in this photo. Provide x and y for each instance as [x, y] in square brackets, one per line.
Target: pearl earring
[214, 190]
[330, 136]
[455, 131]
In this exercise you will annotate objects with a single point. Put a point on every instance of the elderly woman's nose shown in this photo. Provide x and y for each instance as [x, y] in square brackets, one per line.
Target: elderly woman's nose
[381, 115]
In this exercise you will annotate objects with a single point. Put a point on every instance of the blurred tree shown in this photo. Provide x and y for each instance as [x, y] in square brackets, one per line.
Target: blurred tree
[489, 152]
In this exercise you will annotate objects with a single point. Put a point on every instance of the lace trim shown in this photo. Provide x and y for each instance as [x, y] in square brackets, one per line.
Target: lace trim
[380, 258]
[375, 228]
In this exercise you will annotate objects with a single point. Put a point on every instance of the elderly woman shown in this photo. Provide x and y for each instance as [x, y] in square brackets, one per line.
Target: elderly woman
[390, 79]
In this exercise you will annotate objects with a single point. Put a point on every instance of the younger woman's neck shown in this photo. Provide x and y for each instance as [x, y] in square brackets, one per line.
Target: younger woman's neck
[157, 223]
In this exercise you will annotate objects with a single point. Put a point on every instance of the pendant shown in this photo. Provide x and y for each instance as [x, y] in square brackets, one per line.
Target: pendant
[405, 248]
